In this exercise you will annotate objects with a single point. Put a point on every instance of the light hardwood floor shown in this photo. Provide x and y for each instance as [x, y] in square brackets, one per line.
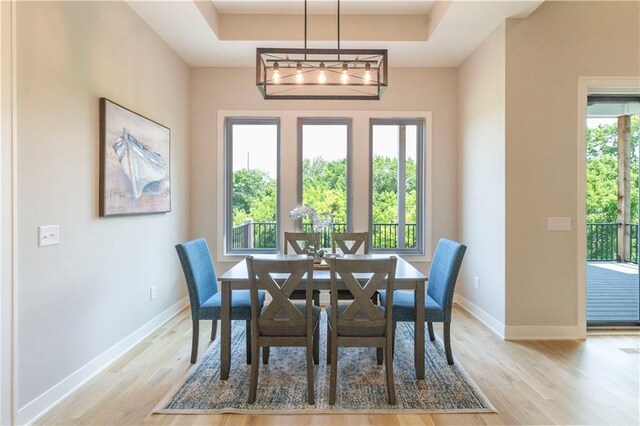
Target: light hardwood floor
[537, 382]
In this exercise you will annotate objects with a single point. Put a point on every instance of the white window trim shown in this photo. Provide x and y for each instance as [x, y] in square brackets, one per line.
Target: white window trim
[289, 170]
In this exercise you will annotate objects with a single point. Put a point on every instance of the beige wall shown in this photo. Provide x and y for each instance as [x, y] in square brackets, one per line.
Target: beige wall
[218, 89]
[481, 183]
[545, 55]
[81, 297]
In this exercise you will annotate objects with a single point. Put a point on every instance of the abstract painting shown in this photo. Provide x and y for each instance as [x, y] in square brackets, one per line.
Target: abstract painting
[135, 167]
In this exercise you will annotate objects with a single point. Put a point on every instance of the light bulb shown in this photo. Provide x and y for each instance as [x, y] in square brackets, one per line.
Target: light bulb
[344, 77]
[367, 74]
[275, 77]
[299, 76]
[322, 77]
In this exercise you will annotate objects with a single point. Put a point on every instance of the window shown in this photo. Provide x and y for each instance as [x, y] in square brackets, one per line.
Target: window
[251, 183]
[325, 174]
[397, 186]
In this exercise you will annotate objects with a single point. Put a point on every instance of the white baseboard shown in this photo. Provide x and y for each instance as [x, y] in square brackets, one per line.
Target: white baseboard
[541, 332]
[45, 402]
[483, 316]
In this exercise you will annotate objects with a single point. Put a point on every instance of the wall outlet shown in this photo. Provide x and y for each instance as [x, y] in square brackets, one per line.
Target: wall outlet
[48, 235]
[153, 292]
[476, 282]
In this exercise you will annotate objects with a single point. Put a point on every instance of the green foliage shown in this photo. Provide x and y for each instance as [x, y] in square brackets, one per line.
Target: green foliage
[254, 196]
[602, 172]
[325, 189]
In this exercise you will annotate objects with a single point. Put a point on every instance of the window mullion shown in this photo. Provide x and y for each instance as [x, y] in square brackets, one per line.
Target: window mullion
[402, 184]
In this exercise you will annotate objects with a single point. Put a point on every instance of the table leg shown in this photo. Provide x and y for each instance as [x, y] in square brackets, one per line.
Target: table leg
[225, 336]
[419, 331]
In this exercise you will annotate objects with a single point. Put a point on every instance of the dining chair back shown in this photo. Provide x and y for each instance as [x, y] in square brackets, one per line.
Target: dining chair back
[443, 274]
[199, 272]
[361, 323]
[300, 241]
[357, 240]
[283, 322]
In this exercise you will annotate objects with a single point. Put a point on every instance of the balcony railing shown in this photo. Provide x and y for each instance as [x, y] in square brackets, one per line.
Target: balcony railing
[602, 242]
[264, 234]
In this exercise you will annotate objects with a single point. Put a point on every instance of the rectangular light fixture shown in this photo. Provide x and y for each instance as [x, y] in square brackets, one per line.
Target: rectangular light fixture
[324, 74]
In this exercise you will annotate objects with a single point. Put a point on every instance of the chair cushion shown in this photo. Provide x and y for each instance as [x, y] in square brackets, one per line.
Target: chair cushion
[403, 309]
[365, 330]
[240, 305]
[281, 328]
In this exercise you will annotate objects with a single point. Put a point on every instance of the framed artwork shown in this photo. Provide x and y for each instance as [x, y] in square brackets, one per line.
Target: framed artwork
[135, 162]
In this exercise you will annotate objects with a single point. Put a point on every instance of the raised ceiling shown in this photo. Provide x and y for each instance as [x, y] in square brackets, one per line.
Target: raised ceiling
[325, 7]
[416, 33]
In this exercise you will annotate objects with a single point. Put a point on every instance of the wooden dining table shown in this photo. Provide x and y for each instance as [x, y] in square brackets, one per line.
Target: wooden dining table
[407, 278]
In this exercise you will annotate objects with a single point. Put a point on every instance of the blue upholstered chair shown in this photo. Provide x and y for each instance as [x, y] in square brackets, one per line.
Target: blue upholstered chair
[439, 297]
[204, 297]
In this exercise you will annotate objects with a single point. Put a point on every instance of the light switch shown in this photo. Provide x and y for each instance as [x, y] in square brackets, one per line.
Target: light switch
[559, 224]
[48, 235]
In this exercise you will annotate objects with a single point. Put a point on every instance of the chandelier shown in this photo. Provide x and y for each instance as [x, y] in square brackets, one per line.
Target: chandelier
[325, 74]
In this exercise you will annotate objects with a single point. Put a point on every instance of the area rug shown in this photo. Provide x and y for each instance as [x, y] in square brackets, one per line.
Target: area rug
[361, 382]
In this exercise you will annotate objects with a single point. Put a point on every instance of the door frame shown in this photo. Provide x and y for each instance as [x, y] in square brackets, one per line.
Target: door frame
[8, 214]
[590, 86]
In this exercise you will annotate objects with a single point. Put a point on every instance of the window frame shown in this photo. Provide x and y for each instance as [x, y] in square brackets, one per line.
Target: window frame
[326, 121]
[421, 148]
[229, 122]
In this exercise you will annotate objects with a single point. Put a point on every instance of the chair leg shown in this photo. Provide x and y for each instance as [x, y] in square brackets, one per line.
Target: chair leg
[379, 355]
[446, 331]
[333, 376]
[248, 323]
[316, 299]
[328, 343]
[214, 329]
[432, 336]
[194, 341]
[311, 353]
[393, 340]
[265, 355]
[316, 344]
[253, 380]
[391, 390]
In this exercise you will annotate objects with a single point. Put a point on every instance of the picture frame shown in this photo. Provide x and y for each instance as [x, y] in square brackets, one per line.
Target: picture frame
[135, 163]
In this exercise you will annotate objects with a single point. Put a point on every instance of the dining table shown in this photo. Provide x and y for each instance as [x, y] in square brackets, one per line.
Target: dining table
[407, 278]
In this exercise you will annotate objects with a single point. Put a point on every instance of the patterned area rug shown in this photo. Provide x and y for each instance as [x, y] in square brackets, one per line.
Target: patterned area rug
[361, 382]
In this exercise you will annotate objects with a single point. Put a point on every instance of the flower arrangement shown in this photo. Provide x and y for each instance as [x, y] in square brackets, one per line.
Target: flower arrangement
[307, 211]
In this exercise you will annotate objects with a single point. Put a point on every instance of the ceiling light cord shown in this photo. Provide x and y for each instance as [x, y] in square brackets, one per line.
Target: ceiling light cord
[338, 30]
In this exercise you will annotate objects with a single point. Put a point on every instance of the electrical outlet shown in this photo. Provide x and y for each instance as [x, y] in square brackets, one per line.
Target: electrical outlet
[476, 282]
[153, 292]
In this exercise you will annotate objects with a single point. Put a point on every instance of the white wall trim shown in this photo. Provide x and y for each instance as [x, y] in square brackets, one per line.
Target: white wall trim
[538, 332]
[45, 402]
[587, 86]
[8, 214]
[481, 315]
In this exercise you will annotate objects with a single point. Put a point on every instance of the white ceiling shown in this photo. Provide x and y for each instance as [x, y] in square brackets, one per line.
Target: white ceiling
[452, 30]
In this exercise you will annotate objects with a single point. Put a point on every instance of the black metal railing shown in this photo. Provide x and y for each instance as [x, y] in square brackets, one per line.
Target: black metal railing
[265, 234]
[602, 242]
[325, 234]
[240, 236]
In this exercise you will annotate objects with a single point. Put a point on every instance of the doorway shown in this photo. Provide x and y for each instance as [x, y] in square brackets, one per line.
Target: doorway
[612, 193]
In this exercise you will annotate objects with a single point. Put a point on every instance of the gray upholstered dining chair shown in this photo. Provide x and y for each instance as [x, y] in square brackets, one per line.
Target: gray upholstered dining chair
[300, 242]
[283, 322]
[341, 240]
[204, 297]
[438, 302]
[361, 323]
